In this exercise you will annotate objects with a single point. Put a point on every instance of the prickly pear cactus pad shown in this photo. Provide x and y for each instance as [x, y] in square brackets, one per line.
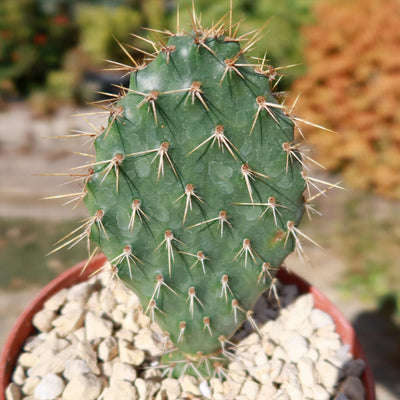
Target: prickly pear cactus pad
[197, 188]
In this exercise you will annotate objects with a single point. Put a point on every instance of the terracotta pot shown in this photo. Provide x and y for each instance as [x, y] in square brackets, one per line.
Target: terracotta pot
[23, 327]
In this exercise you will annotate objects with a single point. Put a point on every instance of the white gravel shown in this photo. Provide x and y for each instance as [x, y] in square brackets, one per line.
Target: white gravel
[95, 343]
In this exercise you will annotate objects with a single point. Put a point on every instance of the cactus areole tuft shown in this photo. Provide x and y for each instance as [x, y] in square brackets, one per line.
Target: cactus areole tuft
[197, 188]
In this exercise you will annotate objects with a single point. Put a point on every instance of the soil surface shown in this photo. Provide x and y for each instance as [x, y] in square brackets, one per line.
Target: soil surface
[26, 153]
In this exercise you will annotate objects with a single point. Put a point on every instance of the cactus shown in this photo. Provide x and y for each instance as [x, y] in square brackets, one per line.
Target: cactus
[196, 190]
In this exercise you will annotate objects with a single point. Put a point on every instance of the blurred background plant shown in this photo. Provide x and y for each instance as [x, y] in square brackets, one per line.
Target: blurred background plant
[33, 42]
[53, 52]
[352, 85]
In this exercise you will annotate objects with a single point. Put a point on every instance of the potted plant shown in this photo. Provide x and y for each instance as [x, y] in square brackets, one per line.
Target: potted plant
[24, 329]
[197, 190]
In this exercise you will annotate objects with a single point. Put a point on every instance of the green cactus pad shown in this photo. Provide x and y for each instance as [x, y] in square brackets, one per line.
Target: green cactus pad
[196, 189]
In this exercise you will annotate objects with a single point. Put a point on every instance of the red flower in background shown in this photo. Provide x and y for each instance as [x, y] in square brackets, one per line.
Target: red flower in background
[40, 39]
[61, 20]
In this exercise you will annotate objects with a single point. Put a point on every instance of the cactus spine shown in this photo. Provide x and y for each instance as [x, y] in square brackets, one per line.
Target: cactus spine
[197, 187]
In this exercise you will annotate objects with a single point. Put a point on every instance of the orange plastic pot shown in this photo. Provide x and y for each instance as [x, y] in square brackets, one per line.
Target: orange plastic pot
[23, 327]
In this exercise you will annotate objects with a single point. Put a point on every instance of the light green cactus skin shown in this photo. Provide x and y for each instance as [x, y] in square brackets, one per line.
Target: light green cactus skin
[199, 301]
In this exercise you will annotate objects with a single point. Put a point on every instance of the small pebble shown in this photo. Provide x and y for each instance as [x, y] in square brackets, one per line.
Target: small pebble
[232, 389]
[71, 307]
[69, 322]
[250, 389]
[123, 371]
[328, 374]
[130, 321]
[27, 360]
[320, 319]
[267, 391]
[33, 341]
[341, 396]
[107, 301]
[125, 334]
[43, 319]
[172, 389]
[141, 388]
[108, 349]
[354, 368]
[50, 362]
[83, 387]
[78, 336]
[307, 372]
[30, 384]
[97, 327]
[50, 387]
[205, 389]
[51, 343]
[320, 393]
[189, 385]
[18, 376]
[288, 372]
[129, 354]
[144, 341]
[353, 388]
[295, 347]
[13, 392]
[120, 390]
[80, 292]
[293, 389]
[55, 302]
[74, 368]
[294, 315]
[275, 367]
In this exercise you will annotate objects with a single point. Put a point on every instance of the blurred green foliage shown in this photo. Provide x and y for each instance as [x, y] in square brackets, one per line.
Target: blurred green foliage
[99, 25]
[283, 20]
[39, 38]
[32, 42]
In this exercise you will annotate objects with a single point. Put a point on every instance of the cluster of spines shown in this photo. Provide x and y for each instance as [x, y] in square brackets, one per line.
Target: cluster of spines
[247, 253]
